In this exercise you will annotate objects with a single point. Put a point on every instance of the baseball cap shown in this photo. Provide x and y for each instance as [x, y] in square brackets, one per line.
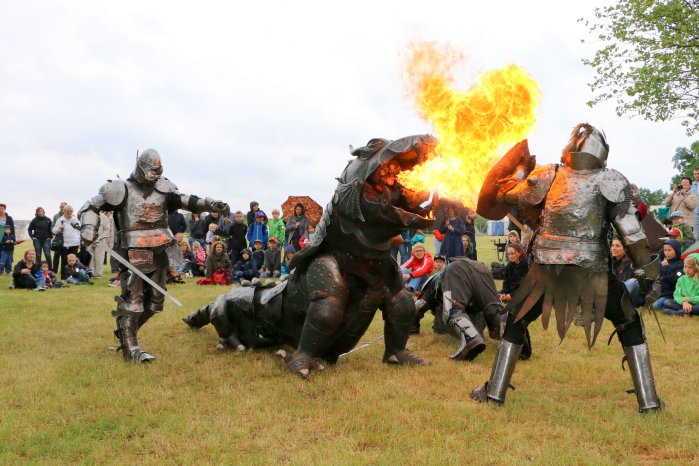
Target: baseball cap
[289, 248]
[676, 214]
[440, 257]
[674, 232]
[273, 238]
[259, 213]
[257, 241]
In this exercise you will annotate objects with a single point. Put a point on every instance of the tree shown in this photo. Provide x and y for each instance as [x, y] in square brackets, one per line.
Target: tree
[652, 198]
[649, 60]
[685, 161]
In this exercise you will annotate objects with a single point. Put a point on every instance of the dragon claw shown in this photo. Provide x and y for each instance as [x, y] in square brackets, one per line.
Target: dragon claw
[405, 358]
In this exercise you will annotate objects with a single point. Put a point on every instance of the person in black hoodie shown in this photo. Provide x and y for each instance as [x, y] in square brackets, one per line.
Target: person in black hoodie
[671, 268]
[244, 269]
[515, 270]
[197, 230]
[254, 207]
[237, 232]
[40, 232]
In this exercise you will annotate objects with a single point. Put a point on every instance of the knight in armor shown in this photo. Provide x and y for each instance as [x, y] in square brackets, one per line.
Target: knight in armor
[571, 205]
[141, 205]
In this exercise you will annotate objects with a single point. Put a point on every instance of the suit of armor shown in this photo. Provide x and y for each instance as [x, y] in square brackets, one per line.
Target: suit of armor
[140, 205]
[578, 201]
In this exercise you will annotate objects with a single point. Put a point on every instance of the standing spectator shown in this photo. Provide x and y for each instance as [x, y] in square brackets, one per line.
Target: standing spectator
[214, 218]
[685, 300]
[638, 203]
[418, 237]
[276, 226]
[470, 225]
[272, 264]
[683, 200]
[197, 230]
[679, 223]
[40, 232]
[58, 214]
[57, 254]
[176, 222]
[515, 270]
[7, 250]
[188, 261]
[218, 260]
[257, 230]
[418, 268]
[5, 221]
[296, 227]
[671, 268]
[236, 232]
[254, 209]
[24, 271]
[453, 228]
[69, 225]
[105, 239]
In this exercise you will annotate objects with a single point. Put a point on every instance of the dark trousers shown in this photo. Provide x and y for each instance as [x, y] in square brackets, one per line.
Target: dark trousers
[42, 245]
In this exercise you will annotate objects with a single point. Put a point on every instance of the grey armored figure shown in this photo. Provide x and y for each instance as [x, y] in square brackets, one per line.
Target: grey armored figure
[571, 207]
[141, 205]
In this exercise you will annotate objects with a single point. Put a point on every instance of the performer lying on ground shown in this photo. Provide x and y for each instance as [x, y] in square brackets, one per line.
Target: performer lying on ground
[579, 199]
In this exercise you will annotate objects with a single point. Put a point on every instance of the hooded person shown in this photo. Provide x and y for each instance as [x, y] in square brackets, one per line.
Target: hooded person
[244, 269]
[254, 208]
[671, 269]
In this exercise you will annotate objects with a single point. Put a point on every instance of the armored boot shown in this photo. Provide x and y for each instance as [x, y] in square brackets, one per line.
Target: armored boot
[495, 318]
[471, 342]
[127, 328]
[503, 367]
[398, 319]
[198, 318]
[638, 358]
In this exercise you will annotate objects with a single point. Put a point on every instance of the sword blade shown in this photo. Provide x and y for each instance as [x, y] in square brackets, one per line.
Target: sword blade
[145, 277]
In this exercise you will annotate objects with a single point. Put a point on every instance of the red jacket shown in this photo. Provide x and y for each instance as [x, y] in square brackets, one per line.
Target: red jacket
[418, 268]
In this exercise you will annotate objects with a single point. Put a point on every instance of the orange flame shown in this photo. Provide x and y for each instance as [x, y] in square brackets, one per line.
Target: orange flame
[474, 127]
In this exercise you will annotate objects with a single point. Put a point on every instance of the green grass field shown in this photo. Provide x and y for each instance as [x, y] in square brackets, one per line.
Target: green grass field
[67, 397]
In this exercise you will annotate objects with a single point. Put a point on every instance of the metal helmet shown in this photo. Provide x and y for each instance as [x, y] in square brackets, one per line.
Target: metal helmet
[148, 167]
[586, 149]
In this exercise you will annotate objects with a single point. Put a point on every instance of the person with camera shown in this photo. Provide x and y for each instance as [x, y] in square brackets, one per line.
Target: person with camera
[68, 226]
[683, 200]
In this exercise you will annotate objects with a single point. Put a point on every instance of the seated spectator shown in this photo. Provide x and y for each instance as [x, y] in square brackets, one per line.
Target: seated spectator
[45, 277]
[623, 269]
[76, 272]
[7, 250]
[439, 262]
[188, 263]
[683, 200]
[685, 300]
[69, 226]
[515, 270]
[199, 268]
[24, 272]
[197, 230]
[258, 257]
[678, 222]
[671, 268]
[244, 269]
[512, 238]
[469, 250]
[257, 230]
[289, 252]
[40, 232]
[273, 260]
[296, 227]
[218, 260]
[418, 268]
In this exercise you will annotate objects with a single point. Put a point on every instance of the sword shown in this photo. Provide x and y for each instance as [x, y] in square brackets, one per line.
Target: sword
[145, 278]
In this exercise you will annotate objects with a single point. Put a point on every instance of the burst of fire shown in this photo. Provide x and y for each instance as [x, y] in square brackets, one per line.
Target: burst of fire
[474, 127]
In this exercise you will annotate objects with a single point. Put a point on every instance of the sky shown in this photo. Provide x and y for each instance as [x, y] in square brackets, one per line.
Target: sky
[261, 100]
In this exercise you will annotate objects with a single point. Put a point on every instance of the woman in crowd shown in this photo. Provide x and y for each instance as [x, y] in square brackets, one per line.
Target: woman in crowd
[623, 269]
[5, 221]
[512, 238]
[296, 227]
[516, 268]
[40, 232]
[683, 200]
[453, 228]
[69, 226]
[218, 260]
[469, 250]
[671, 268]
[418, 268]
[25, 270]
[685, 300]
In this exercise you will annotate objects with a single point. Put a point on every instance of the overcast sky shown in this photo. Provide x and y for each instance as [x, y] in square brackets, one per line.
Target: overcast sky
[260, 100]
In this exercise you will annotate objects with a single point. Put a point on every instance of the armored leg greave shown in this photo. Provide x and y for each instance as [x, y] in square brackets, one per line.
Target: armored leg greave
[638, 358]
[503, 367]
[471, 342]
[127, 328]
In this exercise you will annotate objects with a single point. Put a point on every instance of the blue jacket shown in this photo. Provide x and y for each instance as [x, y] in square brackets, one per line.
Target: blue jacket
[8, 243]
[670, 273]
[258, 231]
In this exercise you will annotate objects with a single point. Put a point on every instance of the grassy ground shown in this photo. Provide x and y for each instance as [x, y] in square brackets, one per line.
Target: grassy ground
[66, 397]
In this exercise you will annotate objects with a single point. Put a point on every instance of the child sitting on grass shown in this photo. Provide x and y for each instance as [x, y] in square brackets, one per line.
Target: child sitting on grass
[76, 272]
[45, 277]
[199, 267]
[686, 297]
[244, 269]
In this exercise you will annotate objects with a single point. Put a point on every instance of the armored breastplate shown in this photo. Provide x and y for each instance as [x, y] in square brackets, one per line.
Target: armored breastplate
[143, 218]
[574, 224]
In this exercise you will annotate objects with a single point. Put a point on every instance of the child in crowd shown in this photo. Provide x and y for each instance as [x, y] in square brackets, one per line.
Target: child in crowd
[76, 272]
[671, 269]
[258, 230]
[7, 251]
[258, 257]
[288, 254]
[439, 262]
[678, 222]
[515, 270]
[512, 238]
[273, 260]
[199, 260]
[45, 277]
[685, 300]
[244, 269]
[187, 265]
[236, 232]
[210, 236]
[305, 240]
[276, 226]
